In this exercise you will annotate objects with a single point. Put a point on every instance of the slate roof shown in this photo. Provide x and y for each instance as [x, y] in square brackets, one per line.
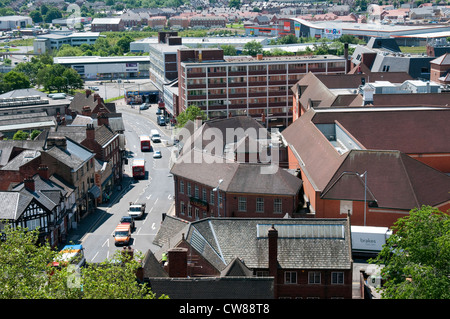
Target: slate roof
[221, 240]
[24, 157]
[237, 177]
[13, 204]
[442, 60]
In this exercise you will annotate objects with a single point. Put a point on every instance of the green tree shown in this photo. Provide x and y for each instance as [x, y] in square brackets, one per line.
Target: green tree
[416, 258]
[124, 43]
[15, 80]
[36, 16]
[191, 113]
[26, 272]
[21, 135]
[73, 80]
[228, 49]
[253, 48]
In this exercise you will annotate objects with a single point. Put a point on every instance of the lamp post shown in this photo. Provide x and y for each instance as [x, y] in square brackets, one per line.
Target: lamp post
[216, 189]
[365, 193]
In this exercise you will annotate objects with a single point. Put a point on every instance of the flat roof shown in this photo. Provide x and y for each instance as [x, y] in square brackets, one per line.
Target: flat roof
[99, 59]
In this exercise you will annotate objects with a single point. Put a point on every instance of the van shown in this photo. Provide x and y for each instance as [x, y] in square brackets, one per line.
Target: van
[155, 136]
[122, 234]
[70, 255]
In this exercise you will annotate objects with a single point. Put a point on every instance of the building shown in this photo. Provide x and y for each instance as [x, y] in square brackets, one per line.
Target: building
[207, 22]
[255, 86]
[388, 174]
[302, 258]
[11, 23]
[107, 24]
[45, 42]
[440, 69]
[96, 67]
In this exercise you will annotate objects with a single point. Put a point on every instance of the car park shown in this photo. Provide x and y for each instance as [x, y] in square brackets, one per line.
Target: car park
[157, 154]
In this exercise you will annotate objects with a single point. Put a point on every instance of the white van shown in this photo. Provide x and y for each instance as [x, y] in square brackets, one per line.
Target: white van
[155, 136]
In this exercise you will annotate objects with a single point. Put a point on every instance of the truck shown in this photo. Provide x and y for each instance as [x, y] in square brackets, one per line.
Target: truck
[369, 240]
[145, 143]
[155, 136]
[138, 168]
[136, 210]
[70, 255]
[122, 234]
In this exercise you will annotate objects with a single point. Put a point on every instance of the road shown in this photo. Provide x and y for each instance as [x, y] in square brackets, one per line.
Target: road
[156, 190]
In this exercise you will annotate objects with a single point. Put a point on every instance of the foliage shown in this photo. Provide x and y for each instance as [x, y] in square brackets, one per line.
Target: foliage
[228, 49]
[13, 80]
[21, 135]
[416, 257]
[191, 113]
[253, 48]
[26, 272]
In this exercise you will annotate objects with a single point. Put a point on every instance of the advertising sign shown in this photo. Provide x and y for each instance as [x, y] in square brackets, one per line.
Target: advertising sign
[332, 33]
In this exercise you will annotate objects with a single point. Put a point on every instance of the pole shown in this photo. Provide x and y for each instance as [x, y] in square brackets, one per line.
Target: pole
[365, 196]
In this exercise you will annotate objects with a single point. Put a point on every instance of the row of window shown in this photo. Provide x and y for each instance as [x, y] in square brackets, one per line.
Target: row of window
[314, 277]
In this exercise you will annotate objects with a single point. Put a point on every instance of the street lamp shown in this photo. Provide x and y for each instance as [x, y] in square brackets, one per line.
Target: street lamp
[216, 189]
[365, 193]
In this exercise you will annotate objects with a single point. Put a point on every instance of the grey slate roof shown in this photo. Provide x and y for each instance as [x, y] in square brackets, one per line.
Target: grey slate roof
[221, 240]
[13, 204]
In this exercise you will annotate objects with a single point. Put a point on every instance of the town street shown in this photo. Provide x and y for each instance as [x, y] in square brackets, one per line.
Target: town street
[156, 190]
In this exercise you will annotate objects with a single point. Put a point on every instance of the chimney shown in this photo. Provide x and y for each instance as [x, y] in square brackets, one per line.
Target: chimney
[43, 171]
[259, 56]
[346, 57]
[59, 141]
[88, 93]
[272, 235]
[90, 132]
[29, 183]
[177, 262]
[86, 111]
[102, 118]
[197, 122]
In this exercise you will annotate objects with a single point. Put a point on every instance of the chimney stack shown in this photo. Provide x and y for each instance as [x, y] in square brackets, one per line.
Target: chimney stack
[259, 56]
[29, 183]
[86, 111]
[177, 262]
[88, 93]
[90, 132]
[43, 171]
[272, 235]
[59, 141]
[102, 118]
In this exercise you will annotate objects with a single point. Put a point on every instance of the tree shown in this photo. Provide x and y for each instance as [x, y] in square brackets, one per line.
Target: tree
[253, 48]
[15, 80]
[416, 258]
[228, 49]
[124, 43]
[191, 113]
[21, 135]
[36, 16]
[26, 272]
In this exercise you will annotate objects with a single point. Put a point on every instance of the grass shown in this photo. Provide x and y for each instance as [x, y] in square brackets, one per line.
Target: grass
[414, 50]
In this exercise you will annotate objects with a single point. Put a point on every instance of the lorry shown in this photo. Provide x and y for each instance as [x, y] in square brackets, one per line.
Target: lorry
[145, 143]
[136, 210]
[369, 240]
[122, 234]
[155, 136]
[138, 168]
[70, 255]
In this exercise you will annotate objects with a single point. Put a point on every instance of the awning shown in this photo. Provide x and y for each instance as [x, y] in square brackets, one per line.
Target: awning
[95, 191]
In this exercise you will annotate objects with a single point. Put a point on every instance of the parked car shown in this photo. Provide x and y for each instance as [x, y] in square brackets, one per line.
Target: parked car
[95, 88]
[144, 106]
[161, 120]
[159, 111]
[157, 154]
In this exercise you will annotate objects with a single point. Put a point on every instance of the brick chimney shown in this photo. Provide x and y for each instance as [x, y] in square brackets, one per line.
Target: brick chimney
[29, 183]
[88, 93]
[86, 111]
[272, 235]
[90, 132]
[177, 262]
[102, 118]
[43, 171]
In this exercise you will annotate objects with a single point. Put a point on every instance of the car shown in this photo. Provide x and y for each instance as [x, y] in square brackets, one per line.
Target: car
[127, 220]
[95, 88]
[144, 106]
[161, 120]
[157, 154]
[159, 111]
[24, 58]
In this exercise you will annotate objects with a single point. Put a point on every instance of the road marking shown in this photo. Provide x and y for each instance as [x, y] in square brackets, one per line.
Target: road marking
[94, 256]
[148, 197]
[106, 242]
[153, 226]
[156, 201]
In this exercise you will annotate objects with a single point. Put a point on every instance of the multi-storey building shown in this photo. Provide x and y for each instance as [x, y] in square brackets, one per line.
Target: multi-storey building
[256, 86]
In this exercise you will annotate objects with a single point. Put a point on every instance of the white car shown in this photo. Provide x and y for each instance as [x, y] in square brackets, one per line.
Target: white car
[157, 154]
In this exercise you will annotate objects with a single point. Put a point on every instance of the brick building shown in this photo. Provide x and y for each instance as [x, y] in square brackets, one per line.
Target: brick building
[440, 69]
[107, 24]
[304, 258]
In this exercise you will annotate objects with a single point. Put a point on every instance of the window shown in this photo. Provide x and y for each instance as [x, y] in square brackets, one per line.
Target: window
[196, 213]
[182, 208]
[189, 210]
[337, 277]
[260, 205]
[204, 195]
[189, 189]
[196, 191]
[181, 187]
[290, 277]
[242, 204]
[314, 277]
[211, 197]
[277, 208]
